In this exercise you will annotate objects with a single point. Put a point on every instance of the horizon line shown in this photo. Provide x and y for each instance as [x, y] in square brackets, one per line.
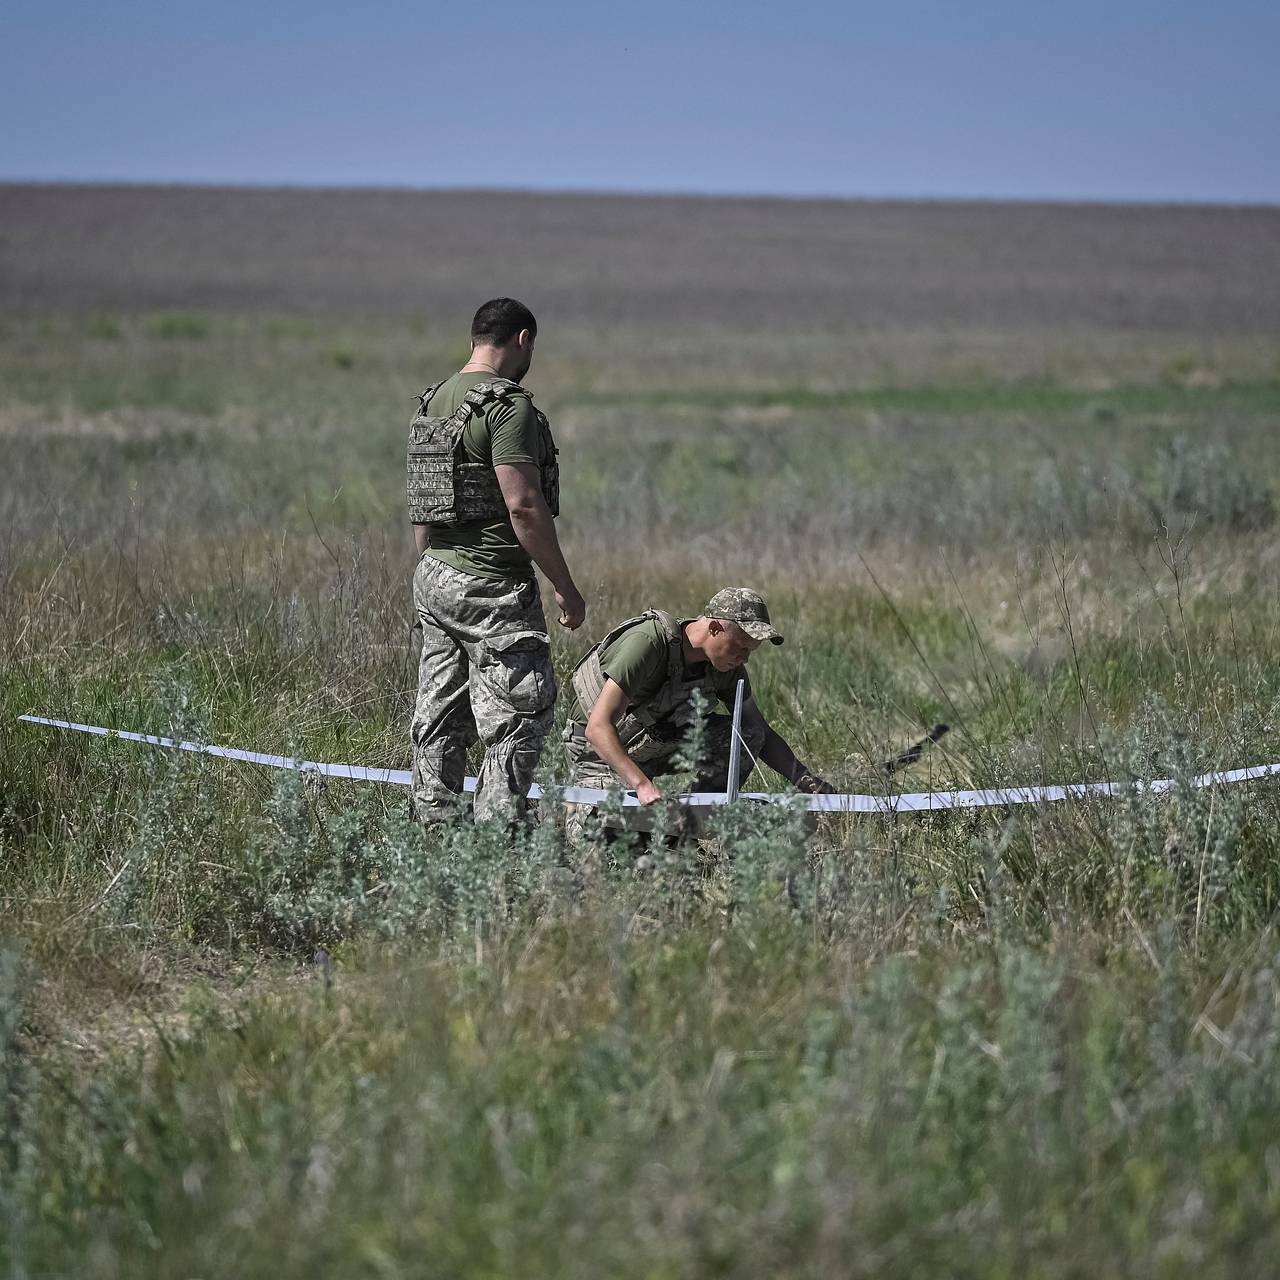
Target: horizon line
[641, 193]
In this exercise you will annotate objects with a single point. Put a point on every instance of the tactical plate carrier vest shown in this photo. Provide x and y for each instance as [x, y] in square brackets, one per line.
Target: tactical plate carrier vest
[444, 486]
[671, 704]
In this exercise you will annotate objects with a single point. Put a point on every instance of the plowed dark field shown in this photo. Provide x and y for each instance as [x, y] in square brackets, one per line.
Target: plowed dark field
[652, 262]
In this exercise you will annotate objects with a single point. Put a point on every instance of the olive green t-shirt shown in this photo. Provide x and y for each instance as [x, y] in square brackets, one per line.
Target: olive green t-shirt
[505, 433]
[636, 661]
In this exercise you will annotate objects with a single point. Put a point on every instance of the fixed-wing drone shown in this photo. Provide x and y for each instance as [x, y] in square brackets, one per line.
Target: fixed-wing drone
[905, 802]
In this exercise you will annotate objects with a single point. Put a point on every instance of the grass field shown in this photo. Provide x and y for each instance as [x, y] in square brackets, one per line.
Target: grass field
[1006, 466]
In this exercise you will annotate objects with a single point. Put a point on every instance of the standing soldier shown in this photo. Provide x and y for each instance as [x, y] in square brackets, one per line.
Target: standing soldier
[633, 701]
[484, 488]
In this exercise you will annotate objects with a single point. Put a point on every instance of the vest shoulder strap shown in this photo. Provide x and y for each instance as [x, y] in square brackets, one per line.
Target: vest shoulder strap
[428, 395]
[671, 628]
[485, 393]
[673, 633]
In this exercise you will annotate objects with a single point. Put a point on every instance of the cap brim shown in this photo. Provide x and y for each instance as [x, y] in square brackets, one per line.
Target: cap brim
[761, 631]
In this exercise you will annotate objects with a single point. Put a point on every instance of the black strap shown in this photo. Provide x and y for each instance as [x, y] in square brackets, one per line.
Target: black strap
[429, 394]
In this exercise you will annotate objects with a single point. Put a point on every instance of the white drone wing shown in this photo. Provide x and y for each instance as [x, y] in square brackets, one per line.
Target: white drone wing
[908, 802]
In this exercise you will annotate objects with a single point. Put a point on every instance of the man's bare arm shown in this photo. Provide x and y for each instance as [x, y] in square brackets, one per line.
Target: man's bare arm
[421, 538]
[778, 755]
[602, 736]
[536, 532]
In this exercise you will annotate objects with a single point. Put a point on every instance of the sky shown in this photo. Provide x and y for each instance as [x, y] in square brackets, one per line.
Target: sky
[1075, 100]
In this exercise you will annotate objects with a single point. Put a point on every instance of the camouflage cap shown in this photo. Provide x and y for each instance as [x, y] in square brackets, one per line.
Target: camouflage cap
[746, 608]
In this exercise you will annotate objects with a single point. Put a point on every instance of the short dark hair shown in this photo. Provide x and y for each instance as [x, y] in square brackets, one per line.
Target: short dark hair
[500, 319]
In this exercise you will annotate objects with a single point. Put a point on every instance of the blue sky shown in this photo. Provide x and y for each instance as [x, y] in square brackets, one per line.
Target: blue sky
[1126, 100]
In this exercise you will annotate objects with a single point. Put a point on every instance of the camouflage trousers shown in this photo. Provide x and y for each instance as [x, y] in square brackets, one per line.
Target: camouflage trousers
[485, 673]
[655, 751]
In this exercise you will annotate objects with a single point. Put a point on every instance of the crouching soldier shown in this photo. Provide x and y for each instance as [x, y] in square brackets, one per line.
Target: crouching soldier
[633, 702]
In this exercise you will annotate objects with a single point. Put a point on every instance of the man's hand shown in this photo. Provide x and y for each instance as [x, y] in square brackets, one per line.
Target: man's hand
[647, 793]
[812, 785]
[573, 608]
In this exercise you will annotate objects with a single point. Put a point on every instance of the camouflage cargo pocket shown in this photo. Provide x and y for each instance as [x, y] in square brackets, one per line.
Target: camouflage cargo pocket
[517, 666]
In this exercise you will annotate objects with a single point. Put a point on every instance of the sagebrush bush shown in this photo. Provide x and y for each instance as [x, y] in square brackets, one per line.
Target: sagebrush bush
[1208, 480]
